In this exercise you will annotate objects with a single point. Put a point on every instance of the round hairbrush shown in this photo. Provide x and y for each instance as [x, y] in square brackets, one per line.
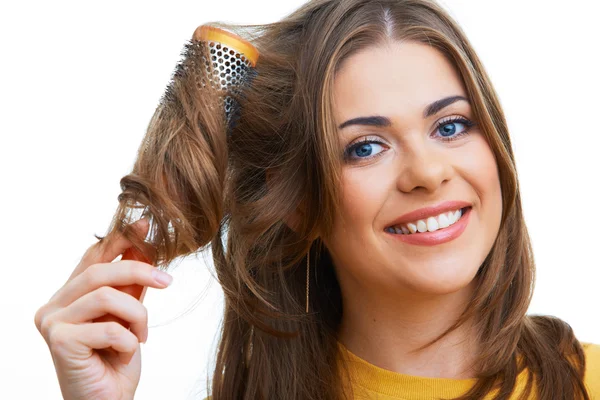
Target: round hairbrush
[218, 59]
[233, 60]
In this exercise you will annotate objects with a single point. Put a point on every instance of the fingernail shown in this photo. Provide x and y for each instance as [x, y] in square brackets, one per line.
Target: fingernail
[162, 277]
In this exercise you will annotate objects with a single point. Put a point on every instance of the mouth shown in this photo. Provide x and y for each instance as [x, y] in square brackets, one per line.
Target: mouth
[432, 230]
[432, 224]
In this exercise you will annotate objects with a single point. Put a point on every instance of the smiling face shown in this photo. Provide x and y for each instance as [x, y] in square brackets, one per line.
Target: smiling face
[415, 156]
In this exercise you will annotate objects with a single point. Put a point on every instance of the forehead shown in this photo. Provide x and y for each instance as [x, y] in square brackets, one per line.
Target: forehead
[396, 79]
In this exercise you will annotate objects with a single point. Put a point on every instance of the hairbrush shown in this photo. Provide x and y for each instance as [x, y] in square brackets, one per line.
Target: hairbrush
[233, 65]
[220, 59]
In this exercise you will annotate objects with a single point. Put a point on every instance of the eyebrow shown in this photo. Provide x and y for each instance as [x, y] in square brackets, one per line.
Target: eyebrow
[380, 121]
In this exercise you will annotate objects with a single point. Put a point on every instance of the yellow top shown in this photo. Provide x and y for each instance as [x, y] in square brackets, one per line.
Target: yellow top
[371, 382]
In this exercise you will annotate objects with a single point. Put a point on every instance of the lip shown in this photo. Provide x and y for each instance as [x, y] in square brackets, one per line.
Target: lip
[426, 212]
[438, 237]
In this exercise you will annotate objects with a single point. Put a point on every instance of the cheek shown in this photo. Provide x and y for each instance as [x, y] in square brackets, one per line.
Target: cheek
[491, 179]
[364, 191]
[363, 195]
[480, 169]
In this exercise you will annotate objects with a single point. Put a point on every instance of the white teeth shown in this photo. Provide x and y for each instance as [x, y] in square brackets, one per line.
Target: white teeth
[412, 228]
[451, 217]
[431, 224]
[457, 214]
[444, 221]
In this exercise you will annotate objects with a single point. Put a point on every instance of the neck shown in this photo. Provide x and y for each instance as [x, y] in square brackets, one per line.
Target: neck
[385, 330]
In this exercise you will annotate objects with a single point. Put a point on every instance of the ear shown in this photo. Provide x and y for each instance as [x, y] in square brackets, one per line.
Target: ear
[292, 220]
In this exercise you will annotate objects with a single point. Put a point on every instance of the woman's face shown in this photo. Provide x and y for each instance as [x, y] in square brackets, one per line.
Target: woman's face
[426, 156]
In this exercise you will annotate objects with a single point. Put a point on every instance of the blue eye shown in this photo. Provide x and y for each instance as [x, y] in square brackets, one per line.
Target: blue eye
[365, 148]
[447, 128]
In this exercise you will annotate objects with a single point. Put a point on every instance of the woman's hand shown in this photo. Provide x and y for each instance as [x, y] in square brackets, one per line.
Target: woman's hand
[99, 360]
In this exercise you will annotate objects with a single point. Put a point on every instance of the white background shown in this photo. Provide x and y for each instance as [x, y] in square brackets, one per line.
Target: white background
[80, 80]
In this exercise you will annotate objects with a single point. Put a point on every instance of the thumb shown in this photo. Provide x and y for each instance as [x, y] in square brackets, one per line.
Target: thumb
[117, 244]
[110, 248]
[114, 245]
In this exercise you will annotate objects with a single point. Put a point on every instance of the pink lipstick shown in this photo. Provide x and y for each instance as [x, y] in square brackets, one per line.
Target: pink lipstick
[440, 236]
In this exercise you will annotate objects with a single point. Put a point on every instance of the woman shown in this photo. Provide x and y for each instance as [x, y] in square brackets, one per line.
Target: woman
[375, 242]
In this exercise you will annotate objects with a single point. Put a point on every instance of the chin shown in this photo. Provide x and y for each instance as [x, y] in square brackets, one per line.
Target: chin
[440, 281]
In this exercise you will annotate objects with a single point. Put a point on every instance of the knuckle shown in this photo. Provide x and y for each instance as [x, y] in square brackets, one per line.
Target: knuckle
[113, 331]
[104, 296]
[39, 318]
[133, 271]
[125, 270]
[46, 325]
[57, 337]
[132, 268]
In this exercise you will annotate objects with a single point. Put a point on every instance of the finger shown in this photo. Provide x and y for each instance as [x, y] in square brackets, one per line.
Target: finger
[110, 248]
[115, 245]
[107, 300]
[80, 339]
[119, 273]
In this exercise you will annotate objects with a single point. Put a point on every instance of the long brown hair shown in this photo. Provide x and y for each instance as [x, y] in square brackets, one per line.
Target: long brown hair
[203, 186]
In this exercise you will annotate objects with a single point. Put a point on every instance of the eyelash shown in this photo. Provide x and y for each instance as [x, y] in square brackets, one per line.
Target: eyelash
[468, 124]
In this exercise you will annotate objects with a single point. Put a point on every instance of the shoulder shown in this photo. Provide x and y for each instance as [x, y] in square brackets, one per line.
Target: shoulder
[592, 368]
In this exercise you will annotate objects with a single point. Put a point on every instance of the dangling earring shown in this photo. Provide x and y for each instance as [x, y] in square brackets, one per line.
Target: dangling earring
[249, 346]
[307, 277]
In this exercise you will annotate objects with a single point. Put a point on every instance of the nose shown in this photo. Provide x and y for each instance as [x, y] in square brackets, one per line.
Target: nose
[424, 167]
